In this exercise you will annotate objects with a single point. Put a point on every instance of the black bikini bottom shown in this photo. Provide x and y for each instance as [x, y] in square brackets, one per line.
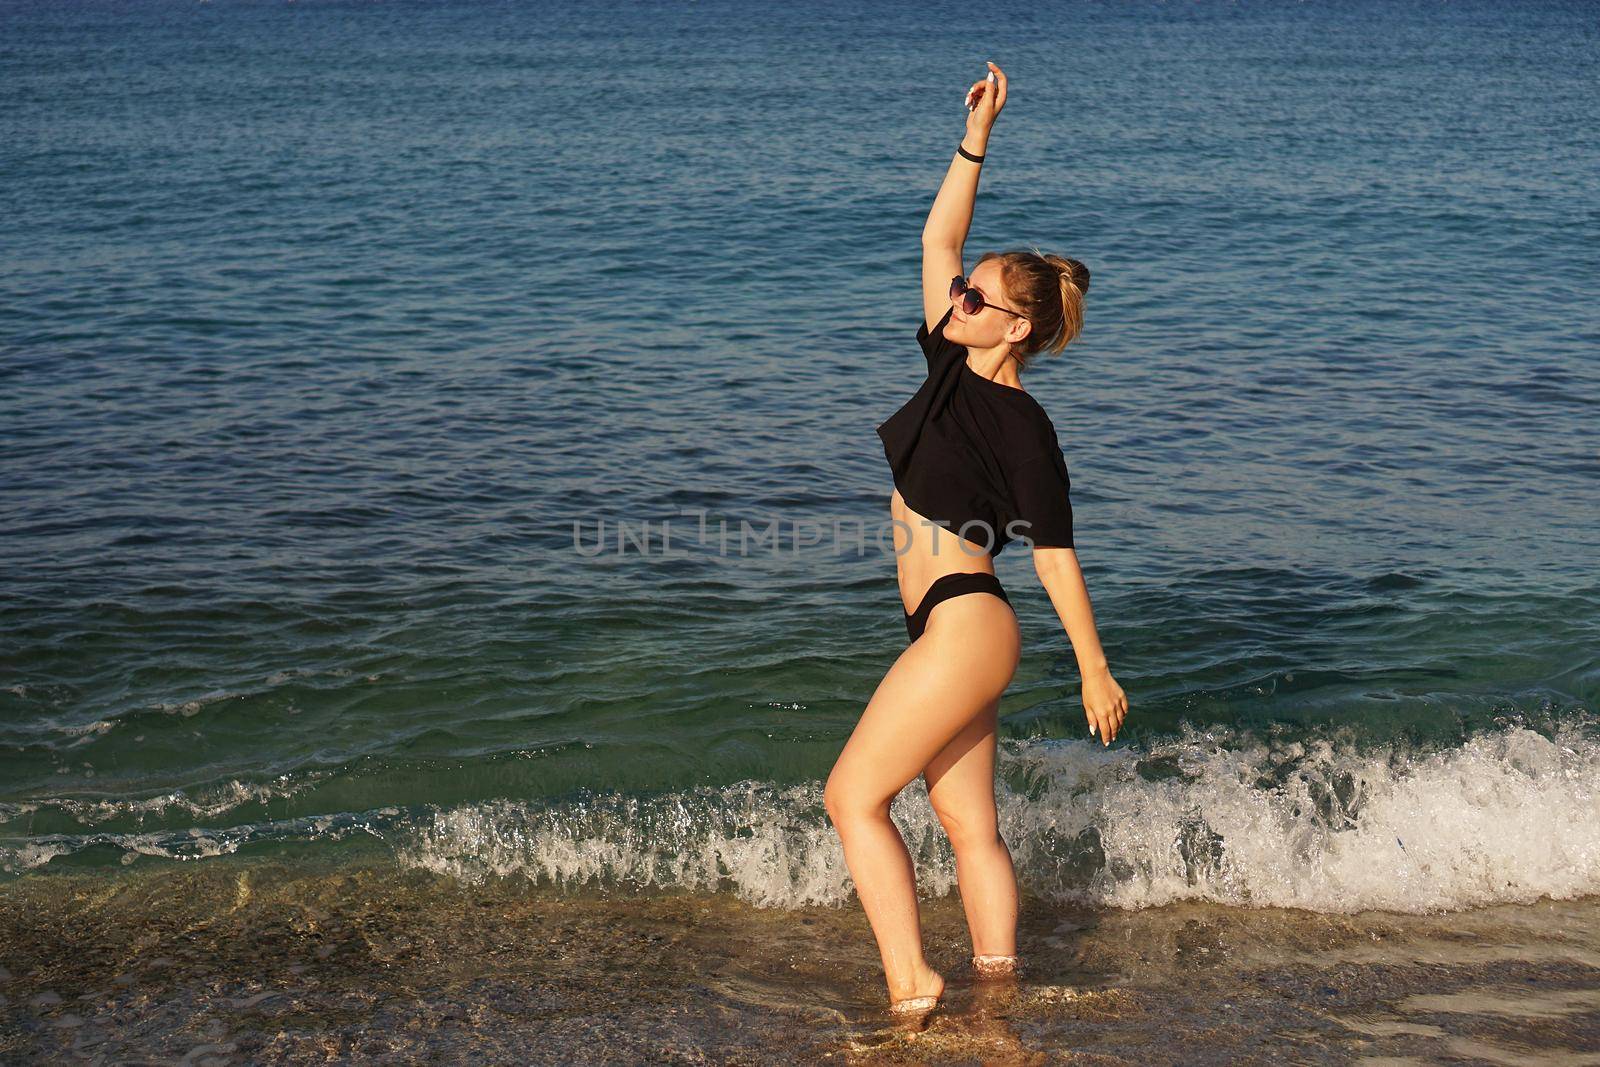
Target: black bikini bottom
[947, 586]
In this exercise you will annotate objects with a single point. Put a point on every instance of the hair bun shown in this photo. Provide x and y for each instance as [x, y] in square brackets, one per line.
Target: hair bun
[1078, 272]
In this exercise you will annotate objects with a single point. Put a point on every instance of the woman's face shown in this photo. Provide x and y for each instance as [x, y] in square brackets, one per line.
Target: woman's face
[989, 326]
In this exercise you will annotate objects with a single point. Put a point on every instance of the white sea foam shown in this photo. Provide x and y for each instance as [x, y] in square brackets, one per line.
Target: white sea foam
[196, 842]
[1508, 816]
[206, 803]
[772, 845]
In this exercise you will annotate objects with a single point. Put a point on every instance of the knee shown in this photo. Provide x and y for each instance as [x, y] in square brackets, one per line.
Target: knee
[969, 831]
[847, 803]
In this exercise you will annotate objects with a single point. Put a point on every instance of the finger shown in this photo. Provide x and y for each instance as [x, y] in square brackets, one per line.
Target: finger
[1000, 79]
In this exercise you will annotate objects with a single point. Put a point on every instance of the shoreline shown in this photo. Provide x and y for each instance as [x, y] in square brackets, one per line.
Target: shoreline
[240, 960]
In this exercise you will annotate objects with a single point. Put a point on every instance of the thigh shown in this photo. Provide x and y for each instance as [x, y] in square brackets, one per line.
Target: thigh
[960, 778]
[934, 690]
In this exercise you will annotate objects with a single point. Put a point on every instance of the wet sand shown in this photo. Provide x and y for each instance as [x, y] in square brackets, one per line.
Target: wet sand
[235, 960]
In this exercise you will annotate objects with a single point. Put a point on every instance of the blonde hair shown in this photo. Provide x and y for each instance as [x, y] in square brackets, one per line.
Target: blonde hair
[1049, 290]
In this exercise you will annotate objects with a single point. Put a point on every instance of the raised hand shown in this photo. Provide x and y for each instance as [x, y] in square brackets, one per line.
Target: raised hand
[985, 99]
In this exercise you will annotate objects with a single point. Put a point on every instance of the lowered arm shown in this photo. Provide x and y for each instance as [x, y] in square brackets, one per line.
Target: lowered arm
[1104, 704]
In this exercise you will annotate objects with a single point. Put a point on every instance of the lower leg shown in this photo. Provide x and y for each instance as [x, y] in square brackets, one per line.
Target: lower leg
[885, 881]
[988, 883]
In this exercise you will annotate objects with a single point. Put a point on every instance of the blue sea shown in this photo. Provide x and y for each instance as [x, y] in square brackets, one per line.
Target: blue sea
[437, 441]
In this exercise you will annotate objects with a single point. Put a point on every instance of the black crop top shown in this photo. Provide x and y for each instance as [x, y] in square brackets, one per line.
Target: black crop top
[967, 451]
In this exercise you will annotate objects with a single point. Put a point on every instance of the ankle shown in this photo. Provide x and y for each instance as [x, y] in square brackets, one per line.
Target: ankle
[922, 996]
[995, 965]
[924, 981]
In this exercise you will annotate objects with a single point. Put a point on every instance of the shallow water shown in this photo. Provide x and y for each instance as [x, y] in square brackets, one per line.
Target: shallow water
[324, 323]
[242, 960]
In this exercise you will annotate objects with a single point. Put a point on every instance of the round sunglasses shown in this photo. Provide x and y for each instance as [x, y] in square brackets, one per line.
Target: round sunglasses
[972, 301]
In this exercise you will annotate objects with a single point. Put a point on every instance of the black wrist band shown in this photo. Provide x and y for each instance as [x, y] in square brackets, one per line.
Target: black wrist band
[968, 155]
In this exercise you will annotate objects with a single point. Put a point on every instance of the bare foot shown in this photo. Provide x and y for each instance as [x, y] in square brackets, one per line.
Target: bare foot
[922, 997]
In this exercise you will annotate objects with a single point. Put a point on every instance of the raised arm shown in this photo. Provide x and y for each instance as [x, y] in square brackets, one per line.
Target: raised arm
[1104, 704]
[945, 232]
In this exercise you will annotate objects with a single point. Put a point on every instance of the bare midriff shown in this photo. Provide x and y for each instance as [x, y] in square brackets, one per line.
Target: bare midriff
[924, 552]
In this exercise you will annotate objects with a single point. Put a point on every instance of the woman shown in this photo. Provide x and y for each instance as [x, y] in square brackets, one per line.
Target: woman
[976, 464]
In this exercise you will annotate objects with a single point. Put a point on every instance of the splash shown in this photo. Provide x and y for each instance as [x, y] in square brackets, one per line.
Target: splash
[1216, 816]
